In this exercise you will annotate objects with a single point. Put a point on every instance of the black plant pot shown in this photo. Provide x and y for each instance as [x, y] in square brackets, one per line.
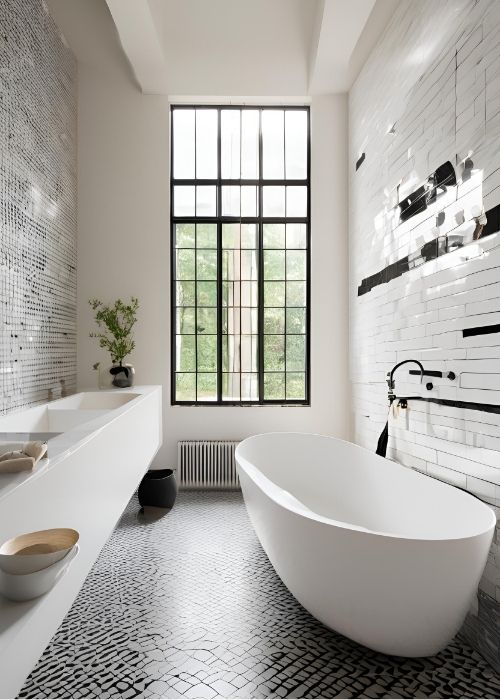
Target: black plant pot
[158, 488]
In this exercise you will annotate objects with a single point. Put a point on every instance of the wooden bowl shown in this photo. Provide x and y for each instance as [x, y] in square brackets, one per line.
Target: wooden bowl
[35, 551]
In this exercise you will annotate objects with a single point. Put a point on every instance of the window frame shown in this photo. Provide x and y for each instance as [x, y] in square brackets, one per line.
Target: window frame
[259, 220]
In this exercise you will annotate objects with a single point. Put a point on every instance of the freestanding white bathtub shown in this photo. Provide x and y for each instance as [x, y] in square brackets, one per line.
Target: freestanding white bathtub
[384, 555]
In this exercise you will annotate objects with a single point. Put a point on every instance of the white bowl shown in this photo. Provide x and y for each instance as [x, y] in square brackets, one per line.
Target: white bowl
[28, 586]
[34, 551]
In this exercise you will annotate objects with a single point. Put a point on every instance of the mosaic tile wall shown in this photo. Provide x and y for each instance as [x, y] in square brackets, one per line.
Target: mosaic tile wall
[425, 254]
[37, 207]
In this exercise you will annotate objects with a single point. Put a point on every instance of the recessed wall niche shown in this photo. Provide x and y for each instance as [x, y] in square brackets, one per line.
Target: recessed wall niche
[37, 207]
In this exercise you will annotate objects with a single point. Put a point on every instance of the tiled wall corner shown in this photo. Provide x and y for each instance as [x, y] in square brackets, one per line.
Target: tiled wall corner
[37, 207]
[429, 94]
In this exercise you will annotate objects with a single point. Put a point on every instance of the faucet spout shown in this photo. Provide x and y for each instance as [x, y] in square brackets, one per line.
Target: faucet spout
[390, 382]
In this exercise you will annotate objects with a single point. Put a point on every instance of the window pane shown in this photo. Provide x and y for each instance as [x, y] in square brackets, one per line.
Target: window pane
[186, 294]
[207, 353]
[296, 201]
[295, 352]
[249, 293]
[206, 200]
[183, 143]
[249, 345]
[273, 201]
[295, 264]
[207, 321]
[250, 143]
[274, 386]
[184, 200]
[231, 201]
[185, 387]
[186, 353]
[230, 143]
[295, 320]
[295, 293]
[249, 265]
[207, 387]
[249, 387]
[296, 236]
[274, 235]
[206, 143]
[249, 321]
[274, 293]
[248, 201]
[231, 386]
[206, 235]
[185, 235]
[273, 144]
[274, 320]
[296, 144]
[186, 320]
[185, 267]
[230, 264]
[231, 353]
[296, 385]
[206, 264]
[249, 235]
[230, 236]
[274, 352]
[274, 264]
[207, 293]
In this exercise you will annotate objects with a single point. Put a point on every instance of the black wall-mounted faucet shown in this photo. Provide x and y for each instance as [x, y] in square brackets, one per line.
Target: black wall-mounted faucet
[390, 380]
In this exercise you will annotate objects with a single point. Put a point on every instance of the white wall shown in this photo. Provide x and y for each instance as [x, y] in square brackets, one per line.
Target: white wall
[124, 250]
[434, 75]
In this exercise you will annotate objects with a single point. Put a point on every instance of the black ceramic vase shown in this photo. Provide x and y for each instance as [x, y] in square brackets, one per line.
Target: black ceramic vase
[158, 488]
[122, 376]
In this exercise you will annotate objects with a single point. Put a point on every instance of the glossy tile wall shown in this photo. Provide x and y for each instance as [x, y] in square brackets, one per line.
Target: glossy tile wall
[424, 262]
[37, 207]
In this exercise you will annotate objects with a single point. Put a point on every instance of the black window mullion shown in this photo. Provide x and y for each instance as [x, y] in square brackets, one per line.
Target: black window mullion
[195, 274]
[219, 260]
[260, 280]
[308, 268]
[284, 173]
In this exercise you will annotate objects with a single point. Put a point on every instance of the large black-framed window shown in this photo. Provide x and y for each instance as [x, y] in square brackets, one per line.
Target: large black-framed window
[240, 254]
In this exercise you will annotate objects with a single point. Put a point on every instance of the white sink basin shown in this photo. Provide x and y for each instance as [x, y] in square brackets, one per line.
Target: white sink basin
[65, 414]
[93, 401]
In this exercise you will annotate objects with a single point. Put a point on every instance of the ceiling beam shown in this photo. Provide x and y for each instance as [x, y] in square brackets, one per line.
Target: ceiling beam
[339, 25]
[141, 44]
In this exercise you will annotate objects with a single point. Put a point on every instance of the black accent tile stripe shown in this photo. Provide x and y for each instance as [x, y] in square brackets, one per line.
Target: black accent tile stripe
[481, 330]
[360, 160]
[472, 405]
[429, 251]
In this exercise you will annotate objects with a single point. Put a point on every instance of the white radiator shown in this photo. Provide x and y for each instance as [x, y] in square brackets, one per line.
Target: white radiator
[207, 464]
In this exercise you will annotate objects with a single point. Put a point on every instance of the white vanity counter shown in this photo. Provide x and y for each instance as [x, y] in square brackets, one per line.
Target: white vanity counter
[106, 442]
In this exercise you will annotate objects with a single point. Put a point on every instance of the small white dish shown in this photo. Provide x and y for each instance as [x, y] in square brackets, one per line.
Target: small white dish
[34, 551]
[21, 587]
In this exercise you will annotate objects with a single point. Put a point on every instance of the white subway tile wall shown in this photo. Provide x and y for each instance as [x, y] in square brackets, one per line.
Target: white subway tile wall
[430, 93]
[37, 207]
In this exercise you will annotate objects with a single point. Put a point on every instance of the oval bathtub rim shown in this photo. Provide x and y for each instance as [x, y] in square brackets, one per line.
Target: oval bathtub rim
[305, 512]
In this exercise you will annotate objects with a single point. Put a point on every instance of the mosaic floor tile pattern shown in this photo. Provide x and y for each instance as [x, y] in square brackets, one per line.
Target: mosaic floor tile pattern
[188, 606]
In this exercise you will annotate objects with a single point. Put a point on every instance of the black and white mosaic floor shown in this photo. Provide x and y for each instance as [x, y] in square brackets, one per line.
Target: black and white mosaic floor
[187, 605]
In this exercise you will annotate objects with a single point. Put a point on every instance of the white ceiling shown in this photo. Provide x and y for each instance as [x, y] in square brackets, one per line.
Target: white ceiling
[224, 48]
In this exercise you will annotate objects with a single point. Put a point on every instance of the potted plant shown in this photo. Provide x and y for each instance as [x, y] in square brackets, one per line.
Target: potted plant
[115, 335]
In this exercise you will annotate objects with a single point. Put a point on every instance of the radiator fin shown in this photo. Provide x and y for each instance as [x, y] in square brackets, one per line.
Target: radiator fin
[207, 464]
